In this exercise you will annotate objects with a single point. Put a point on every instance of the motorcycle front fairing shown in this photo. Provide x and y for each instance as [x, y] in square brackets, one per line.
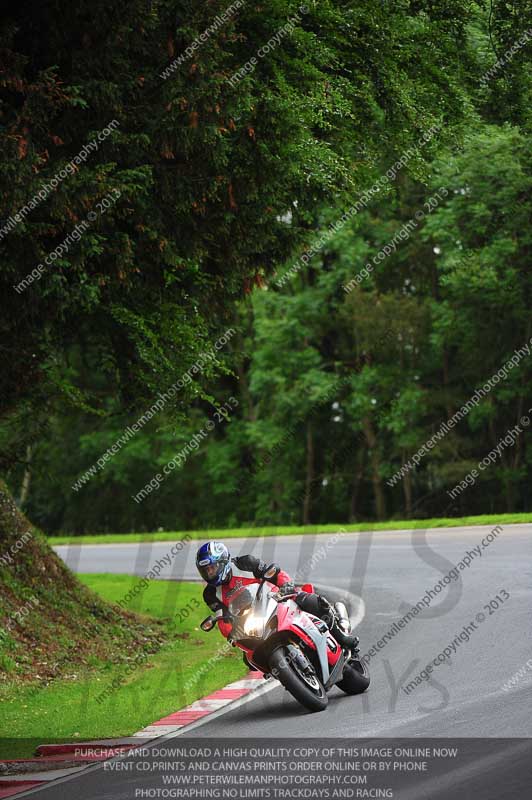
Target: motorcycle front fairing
[263, 611]
[261, 624]
[254, 617]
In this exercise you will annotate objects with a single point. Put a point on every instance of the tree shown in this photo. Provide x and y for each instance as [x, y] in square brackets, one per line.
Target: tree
[190, 163]
[482, 237]
[193, 163]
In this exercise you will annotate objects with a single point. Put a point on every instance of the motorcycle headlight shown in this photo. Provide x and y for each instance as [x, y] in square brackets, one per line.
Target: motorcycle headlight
[253, 625]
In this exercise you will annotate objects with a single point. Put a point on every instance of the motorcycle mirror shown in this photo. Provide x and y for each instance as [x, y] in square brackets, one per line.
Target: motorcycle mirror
[270, 572]
[208, 624]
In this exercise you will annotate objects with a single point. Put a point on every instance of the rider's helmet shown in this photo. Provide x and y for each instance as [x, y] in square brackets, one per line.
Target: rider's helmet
[213, 561]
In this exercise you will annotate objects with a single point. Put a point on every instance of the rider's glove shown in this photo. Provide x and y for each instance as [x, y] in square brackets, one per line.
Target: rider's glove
[287, 588]
[323, 603]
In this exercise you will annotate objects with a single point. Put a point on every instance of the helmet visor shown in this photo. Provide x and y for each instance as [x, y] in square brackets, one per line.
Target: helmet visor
[212, 572]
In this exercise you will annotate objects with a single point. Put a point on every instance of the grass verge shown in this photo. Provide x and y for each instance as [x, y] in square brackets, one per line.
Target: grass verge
[149, 688]
[291, 530]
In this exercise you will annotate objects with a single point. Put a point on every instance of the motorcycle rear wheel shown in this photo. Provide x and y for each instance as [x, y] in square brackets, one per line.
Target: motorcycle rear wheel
[307, 690]
[355, 678]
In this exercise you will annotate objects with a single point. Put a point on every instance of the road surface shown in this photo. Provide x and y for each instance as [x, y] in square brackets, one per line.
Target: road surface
[482, 606]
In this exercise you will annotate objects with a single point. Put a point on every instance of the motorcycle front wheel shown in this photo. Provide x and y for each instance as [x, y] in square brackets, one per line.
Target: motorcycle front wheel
[291, 667]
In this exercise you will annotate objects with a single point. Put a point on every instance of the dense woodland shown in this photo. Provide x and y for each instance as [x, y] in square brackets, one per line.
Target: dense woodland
[321, 394]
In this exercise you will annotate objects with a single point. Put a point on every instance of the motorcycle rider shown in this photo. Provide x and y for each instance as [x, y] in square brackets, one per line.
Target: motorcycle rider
[215, 565]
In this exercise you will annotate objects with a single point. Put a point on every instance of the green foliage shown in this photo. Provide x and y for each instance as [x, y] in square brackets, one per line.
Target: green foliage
[223, 185]
[161, 682]
[51, 624]
[198, 162]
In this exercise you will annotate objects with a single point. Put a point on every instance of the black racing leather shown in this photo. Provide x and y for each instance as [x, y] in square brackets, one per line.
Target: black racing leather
[323, 603]
[251, 564]
[210, 598]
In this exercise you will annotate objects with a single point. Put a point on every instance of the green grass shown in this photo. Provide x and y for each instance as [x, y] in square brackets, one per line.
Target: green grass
[67, 710]
[291, 530]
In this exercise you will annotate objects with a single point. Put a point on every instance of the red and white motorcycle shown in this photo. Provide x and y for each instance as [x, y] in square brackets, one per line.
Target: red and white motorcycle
[292, 645]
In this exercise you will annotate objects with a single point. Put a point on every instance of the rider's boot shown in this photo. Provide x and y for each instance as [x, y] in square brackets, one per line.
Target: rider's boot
[346, 640]
[338, 623]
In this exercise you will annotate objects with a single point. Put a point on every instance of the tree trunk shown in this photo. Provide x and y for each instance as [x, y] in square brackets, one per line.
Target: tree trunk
[245, 394]
[378, 488]
[509, 494]
[309, 475]
[357, 480]
[25, 486]
[518, 447]
[445, 376]
[407, 491]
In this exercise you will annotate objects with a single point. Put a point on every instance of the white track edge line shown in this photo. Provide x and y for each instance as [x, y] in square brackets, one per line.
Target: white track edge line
[254, 693]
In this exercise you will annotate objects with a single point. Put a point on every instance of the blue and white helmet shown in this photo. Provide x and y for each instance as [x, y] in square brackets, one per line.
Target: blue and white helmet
[213, 561]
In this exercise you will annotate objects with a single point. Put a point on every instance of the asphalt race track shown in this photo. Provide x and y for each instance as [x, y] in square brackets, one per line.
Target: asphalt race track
[392, 572]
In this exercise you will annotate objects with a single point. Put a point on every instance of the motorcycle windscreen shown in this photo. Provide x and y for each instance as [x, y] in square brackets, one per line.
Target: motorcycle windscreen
[241, 602]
